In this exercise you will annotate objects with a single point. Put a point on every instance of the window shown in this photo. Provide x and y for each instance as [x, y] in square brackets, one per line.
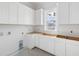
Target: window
[51, 20]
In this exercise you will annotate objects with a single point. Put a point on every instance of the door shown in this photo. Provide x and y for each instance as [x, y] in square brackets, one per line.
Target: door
[8, 45]
[12, 43]
[39, 17]
[72, 48]
[74, 13]
[20, 13]
[25, 15]
[36, 39]
[28, 16]
[44, 43]
[60, 47]
[63, 13]
[4, 10]
[52, 45]
[29, 41]
[13, 10]
[3, 46]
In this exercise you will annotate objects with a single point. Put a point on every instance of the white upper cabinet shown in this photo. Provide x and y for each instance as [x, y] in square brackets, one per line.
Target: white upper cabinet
[25, 15]
[63, 13]
[39, 17]
[68, 13]
[20, 13]
[74, 13]
[4, 10]
[13, 8]
[28, 16]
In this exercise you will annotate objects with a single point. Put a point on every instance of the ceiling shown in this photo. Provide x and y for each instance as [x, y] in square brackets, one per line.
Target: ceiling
[38, 5]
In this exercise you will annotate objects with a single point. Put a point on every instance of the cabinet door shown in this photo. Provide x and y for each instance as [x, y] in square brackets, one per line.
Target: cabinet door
[29, 41]
[26, 41]
[74, 13]
[13, 8]
[52, 46]
[25, 15]
[28, 16]
[12, 46]
[8, 45]
[3, 46]
[37, 42]
[39, 17]
[68, 48]
[4, 9]
[60, 47]
[63, 13]
[44, 43]
[12, 43]
[72, 48]
[20, 13]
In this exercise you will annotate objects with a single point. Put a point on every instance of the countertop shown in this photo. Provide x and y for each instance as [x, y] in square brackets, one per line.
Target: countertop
[76, 38]
[44, 34]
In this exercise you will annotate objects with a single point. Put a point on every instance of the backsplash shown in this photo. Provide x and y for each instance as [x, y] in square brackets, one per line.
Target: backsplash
[65, 29]
[38, 28]
[62, 29]
[41, 28]
[6, 30]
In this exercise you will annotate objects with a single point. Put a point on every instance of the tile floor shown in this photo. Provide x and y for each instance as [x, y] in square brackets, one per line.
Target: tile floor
[32, 52]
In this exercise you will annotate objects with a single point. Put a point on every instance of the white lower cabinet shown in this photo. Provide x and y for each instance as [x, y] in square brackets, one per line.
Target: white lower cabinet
[29, 41]
[3, 46]
[9, 47]
[53, 45]
[40, 41]
[37, 42]
[60, 47]
[72, 48]
[13, 45]
[46, 43]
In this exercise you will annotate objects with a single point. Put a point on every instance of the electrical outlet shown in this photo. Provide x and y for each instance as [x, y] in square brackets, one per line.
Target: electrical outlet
[1, 34]
[22, 33]
[9, 33]
[71, 32]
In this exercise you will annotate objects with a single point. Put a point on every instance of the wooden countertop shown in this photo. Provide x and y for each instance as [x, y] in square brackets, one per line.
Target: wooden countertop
[45, 34]
[76, 38]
